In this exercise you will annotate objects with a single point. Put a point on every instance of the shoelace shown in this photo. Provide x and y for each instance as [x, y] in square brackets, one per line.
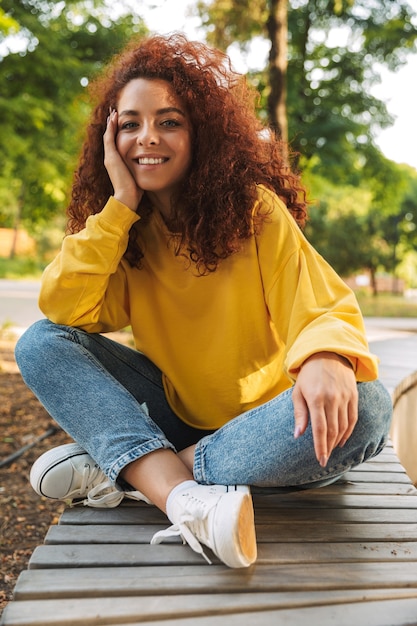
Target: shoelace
[110, 496]
[180, 529]
[196, 518]
[103, 495]
[111, 499]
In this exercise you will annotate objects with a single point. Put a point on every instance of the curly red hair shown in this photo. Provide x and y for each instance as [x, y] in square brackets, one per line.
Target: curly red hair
[231, 151]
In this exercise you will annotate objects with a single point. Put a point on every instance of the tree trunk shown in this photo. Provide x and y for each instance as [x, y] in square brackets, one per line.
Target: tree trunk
[374, 286]
[17, 222]
[278, 33]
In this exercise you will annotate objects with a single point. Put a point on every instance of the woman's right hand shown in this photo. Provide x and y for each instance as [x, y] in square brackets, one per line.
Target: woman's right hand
[124, 185]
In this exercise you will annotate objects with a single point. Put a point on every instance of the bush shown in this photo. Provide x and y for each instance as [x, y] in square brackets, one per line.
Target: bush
[21, 267]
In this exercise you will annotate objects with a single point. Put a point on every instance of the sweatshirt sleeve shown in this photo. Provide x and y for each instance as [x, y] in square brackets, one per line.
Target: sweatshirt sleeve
[85, 285]
[311, 307]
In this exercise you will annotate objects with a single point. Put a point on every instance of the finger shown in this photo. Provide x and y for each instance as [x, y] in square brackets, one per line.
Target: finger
[300, 413]
[343, 424]
[319, 428]
[336, 411]
[352, 421]
[109, 136]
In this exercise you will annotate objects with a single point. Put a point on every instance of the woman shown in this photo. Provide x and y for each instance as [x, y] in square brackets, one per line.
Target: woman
[250, 365]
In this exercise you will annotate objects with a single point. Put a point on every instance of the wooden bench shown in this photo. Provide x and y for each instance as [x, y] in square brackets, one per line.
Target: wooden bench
[345, 554]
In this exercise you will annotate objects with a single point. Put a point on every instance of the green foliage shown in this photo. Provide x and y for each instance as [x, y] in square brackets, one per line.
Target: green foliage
[332, 68]
[371, 226]
[8, 25]
[364, 215]
[338, 226]
[334, 48]
[61, 46]
[232, 21]
[21, 267]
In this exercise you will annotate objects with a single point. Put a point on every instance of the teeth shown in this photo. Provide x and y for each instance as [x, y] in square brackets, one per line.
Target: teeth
[150, 161]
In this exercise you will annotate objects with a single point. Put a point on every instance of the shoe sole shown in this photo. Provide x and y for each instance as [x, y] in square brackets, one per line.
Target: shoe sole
[240, 550]
[48, 461]
[246, 534]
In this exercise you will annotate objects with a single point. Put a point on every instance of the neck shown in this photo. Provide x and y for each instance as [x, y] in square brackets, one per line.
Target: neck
[161, 203]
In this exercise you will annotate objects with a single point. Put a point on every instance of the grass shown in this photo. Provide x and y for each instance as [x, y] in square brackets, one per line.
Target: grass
[21, 267]
[387, 305]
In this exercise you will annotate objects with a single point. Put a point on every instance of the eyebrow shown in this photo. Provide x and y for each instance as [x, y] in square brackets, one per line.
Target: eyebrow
[131, 112]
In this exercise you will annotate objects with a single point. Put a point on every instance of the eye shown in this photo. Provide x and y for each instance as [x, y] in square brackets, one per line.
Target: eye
[128, 125]
[170, 123]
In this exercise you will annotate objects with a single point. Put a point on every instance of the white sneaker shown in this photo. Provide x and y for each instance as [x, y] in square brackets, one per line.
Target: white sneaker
[221, 517]
[67, 472]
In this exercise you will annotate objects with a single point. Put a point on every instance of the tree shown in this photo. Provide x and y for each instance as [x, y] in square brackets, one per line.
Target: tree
[369, 227]
[61, 47]
[333, 51]
[277, 25]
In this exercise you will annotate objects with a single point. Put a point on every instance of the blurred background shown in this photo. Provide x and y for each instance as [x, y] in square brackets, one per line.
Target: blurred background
[335, 77]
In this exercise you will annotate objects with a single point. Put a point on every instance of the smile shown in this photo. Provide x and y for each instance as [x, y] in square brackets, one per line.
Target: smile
[151, 161]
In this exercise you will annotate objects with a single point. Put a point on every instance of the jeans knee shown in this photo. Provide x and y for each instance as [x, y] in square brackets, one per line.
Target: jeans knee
[375, 409]
[29, 349]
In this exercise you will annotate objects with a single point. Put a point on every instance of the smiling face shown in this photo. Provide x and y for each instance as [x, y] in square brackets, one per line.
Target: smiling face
[154, 138]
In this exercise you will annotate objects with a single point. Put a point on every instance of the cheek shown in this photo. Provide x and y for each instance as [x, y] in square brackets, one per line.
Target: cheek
[187, 151]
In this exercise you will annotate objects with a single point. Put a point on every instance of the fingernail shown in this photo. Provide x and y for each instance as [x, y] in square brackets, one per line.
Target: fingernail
[297, 432]
[323, 460]
[342, 443]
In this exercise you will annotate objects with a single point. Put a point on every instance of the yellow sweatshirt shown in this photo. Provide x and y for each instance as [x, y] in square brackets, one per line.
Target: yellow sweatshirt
[225, 342]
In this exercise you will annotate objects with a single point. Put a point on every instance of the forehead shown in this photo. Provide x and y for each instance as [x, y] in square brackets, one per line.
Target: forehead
[145, 91]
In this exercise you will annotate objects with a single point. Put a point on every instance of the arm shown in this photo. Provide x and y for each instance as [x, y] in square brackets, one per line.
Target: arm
[317, 317]
[85, 284]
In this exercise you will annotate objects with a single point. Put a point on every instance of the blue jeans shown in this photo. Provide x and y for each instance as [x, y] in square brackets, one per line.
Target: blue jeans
[110, 399]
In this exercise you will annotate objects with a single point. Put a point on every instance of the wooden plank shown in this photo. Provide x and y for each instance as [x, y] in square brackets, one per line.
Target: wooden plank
[134, 514]
[112, 535]
[371, 488]
[337, 515]
[345, 497]
[192, 579]
[324, 515]
[325, 499]
[301, 531]
[118, 554]
[312, 532]
[387, 453]
[357, 475]
[96, 611]
[153, 517]
[400, 613]
[379, 466]
[308, 532]
[389, 613]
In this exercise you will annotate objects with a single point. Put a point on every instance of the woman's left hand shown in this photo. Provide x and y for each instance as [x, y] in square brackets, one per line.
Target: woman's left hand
[326, 392]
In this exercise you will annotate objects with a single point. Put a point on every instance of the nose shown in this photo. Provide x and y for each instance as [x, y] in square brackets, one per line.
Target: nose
[147, 135]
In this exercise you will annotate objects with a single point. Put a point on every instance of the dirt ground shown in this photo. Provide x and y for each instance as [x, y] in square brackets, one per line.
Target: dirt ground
[24, 516]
